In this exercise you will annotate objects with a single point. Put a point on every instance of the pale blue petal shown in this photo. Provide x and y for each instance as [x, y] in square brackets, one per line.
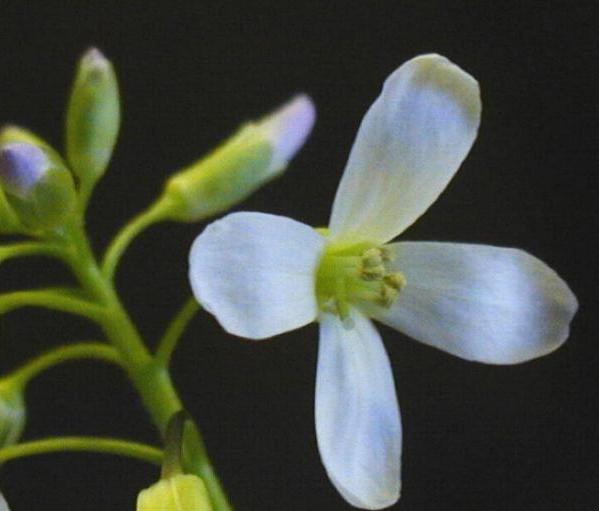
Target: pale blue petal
[411, 142]
[256, 273]
[358, 425]
[482, 303]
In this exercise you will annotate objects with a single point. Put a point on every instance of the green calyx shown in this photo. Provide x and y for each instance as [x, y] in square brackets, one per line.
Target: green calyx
[180, 492]
[220, 180]
[357, 273]
[9, 223]
[38, 187]
[93, 118]
[176, 490]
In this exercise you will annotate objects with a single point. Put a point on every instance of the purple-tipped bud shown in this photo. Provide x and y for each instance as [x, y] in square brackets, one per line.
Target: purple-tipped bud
[39, 188]
[288, 128]
[22, 166]
[95, 59]
[256, 154]
[93, 118]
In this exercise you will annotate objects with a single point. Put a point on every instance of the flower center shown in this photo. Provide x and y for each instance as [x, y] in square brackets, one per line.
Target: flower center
[358, 273]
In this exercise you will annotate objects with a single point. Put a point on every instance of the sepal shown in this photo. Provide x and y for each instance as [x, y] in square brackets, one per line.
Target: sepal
[37, 184]
[182, 491]
[93, 117]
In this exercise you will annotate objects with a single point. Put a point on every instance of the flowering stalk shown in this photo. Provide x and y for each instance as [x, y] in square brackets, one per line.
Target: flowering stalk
[43, 196]
[152, 380]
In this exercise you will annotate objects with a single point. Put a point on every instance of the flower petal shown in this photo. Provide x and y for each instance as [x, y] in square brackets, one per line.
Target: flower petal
[482, 303]
[288, 128]
[411, 142]
[357, 417]
[255, 272]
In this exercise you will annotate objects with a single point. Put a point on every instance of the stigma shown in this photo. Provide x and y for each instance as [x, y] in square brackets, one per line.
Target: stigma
[356, 274]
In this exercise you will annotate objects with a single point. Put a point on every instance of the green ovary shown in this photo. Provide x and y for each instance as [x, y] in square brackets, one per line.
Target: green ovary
[353, 274]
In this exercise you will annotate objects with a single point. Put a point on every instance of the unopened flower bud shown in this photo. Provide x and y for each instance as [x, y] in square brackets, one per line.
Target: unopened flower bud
[22, 167]
[257, 153]
[93, 117]
[182, 491]
[11, 133]
[38, 186]
[12, 414]
[9, 223]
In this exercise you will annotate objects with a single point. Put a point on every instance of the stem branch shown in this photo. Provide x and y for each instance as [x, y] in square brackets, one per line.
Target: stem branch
[66, 353]
[29, 248]
[90, 444]
[175, 330]
[151, 380]
[51, 298]
[155, 213]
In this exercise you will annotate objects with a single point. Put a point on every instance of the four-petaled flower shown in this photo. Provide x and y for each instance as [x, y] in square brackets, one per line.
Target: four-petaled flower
[262, 275]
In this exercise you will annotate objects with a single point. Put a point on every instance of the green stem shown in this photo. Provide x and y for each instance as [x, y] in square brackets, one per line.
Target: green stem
[51, 298]
[86, 187]
[151, 380]
[173, 333]
[87, 350]
[31, 248]
[90, 444]
[154, 214]
[172, 462]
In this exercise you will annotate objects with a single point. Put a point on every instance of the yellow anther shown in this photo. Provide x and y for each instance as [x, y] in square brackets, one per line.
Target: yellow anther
[374, 273]
[386, 254]
[388, 295]
[349, 276]
[395, 280]
[372, 258]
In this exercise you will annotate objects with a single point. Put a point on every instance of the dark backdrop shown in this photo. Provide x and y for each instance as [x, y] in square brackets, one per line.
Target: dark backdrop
[476, 437]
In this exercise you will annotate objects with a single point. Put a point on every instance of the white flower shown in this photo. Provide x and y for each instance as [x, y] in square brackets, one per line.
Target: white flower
[262, 275]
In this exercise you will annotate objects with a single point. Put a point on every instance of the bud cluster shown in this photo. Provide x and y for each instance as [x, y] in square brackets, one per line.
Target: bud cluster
[38, 190]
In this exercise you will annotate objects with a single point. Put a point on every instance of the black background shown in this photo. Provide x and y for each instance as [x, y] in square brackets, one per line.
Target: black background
[475, 437]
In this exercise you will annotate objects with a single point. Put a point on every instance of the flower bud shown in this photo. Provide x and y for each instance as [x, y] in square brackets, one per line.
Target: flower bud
[93, 117]
[257, 153]
[9, 223]
[11, 133]
[38, 186]
[12, 414]
[182, 491]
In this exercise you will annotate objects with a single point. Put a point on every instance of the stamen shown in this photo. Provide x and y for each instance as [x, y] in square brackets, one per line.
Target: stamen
[354, 274]
[388, 296]
[375, 273]
[395, 280]
[372, 258]
[386, 254]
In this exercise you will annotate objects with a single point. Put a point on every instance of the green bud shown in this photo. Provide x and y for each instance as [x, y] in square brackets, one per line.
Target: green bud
[38, 186]
[93, 117]
[180, 492]
[12, 413]
[9, 223]
[11, 133]
[257, 153]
